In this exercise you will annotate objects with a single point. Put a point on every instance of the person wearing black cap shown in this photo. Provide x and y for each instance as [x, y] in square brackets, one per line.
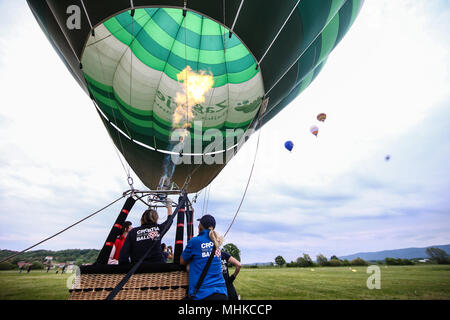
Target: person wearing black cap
[197, 253]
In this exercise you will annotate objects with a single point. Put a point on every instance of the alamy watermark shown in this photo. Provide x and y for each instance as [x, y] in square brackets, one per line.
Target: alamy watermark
[210, 146]
[374, 280]
[74, 20]
[73, 282]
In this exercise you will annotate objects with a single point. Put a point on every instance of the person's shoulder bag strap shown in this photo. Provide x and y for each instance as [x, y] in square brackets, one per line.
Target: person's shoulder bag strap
[204, 272]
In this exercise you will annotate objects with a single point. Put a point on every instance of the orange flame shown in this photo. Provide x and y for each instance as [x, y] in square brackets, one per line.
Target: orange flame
[195, 86]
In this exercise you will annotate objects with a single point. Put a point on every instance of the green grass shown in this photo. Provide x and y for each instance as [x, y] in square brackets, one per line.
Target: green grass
[397, 282]
[36, 285]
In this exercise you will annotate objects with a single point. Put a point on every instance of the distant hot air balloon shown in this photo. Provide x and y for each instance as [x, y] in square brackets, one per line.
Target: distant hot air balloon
[321, 117]
[289, 145]
[314, 130]
[387, 158]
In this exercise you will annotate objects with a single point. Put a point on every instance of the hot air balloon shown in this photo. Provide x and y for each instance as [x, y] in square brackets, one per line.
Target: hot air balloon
[127, 60]
[321, 117]
[314, 130]
[289, 145]
[185, 80]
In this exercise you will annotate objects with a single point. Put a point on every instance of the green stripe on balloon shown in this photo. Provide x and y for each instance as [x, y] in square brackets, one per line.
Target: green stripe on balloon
[238, 60]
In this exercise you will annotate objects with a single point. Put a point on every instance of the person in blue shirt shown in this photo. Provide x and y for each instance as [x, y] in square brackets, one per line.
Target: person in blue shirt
[196, 254]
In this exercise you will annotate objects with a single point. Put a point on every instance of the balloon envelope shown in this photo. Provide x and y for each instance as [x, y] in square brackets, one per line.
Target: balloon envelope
[314, 130]
[321, 117]
[289, 145]
[127, 61]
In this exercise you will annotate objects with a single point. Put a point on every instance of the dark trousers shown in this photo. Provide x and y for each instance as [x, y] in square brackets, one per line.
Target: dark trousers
[216, 296]
[232, 294]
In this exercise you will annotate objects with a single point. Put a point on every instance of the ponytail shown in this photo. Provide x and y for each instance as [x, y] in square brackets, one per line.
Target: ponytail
[215, 237]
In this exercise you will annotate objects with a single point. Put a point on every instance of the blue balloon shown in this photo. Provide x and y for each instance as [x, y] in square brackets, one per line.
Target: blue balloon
[289, 145]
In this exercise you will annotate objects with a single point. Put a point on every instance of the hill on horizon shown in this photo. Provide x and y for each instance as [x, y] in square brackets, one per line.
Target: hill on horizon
[405, 253]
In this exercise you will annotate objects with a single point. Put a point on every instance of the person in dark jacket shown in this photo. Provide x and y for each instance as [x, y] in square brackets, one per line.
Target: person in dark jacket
[226, 259]
[148, 234]
[167, 255]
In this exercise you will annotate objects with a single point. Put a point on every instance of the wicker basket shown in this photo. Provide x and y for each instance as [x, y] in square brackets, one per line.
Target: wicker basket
[163, 282]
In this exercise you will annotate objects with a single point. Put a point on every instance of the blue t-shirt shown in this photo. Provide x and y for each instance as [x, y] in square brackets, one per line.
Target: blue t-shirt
[196, 253]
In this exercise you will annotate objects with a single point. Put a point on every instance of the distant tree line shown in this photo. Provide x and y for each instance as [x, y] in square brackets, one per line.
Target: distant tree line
[436, 255]
[321, 260]
[37, 257]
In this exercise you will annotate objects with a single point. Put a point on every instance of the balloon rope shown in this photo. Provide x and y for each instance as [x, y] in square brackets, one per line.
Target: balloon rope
[251, 172]
[278, 33]
[58, 233]
[236, 17]
[87, 15]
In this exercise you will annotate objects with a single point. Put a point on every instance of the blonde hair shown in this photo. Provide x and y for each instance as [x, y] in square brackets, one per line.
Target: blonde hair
[215, 237]
[149, 216]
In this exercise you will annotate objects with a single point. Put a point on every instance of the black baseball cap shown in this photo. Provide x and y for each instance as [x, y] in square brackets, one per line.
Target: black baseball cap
[207, 221]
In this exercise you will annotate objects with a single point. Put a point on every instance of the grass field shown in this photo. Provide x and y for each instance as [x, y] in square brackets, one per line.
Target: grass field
[397, 282]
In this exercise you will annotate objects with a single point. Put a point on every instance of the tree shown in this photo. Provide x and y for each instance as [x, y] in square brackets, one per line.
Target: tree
[438, 255]
[305, 261]
[308, 259]
[334, 257]
[280, 261]
[335, 263]
[292, 264]
[398, 262]
[36, 265]
[7, 266]
[322, 260]
[233, 250]
[358, 262]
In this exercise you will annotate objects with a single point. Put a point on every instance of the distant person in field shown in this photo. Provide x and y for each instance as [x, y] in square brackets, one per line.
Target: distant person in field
[227, 258]
[166, 253]
[115, 252]
[170, 251]
[29, 268]
[149, 234]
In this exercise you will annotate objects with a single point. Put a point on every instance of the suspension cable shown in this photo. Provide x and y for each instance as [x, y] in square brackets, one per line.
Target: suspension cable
[235, 18]
[58, 233]
[251, 171]
[278, 33]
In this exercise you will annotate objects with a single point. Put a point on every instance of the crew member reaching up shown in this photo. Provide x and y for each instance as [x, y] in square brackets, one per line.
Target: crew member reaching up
[150, 233]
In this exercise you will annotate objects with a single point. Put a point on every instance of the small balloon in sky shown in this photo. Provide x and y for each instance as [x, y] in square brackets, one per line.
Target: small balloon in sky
[321, 117]
[289, 145]
[314, 130]
[387, 158]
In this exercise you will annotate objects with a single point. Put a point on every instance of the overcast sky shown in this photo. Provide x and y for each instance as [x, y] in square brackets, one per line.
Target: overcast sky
[385, 89]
